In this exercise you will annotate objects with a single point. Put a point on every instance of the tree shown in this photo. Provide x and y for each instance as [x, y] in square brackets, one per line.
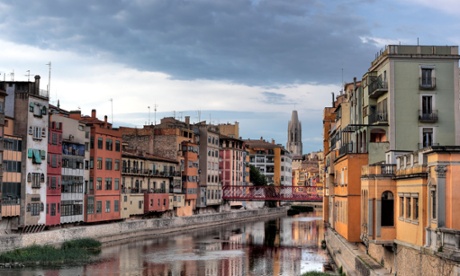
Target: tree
[256, 177]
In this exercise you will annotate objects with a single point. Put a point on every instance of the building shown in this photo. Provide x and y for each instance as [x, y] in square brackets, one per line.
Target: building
[404, 117]
[27, 105]
[75, 172]
[102, 199]
[232, 163]
[210, 185]
[294, 139]
[272, 160]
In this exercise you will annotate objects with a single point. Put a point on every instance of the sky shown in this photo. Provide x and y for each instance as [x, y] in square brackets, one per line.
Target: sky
[219, 61]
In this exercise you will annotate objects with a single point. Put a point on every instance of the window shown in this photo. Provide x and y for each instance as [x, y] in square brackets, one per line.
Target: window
[36, 180]
[53, 209]
[108, 164]
[116, 206]
[99, 207]
[427, 105]
[108, 144]
[401, 206]
[427, 137]
[387, 209]
[108, 184]
[99, 163]
[427, 79]
[36, 208]
[99, 183]
[415, 208]
[91, 185]
[141, 203]
[408, 208]
[117, 165]
[117, 146]
[433, 204]
[99, 143]
[117, 184]
[107, 206]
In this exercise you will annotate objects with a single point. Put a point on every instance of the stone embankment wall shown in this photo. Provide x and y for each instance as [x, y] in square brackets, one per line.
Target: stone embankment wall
[130, 229]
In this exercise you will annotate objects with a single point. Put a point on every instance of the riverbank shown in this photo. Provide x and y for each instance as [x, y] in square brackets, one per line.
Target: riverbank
[132, 229]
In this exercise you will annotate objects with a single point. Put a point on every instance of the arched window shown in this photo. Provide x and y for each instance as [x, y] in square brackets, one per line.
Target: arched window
[387, 212]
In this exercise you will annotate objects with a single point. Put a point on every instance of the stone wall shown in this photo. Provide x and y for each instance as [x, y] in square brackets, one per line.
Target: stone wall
[118, 231]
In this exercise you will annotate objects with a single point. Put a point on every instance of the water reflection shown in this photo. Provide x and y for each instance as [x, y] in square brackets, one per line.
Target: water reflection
[282, 246]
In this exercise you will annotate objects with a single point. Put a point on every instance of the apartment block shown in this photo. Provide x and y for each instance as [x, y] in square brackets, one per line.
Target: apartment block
[102, 199]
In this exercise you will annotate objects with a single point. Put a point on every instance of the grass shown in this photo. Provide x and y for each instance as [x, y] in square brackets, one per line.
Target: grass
[315, 273]
[70, 253]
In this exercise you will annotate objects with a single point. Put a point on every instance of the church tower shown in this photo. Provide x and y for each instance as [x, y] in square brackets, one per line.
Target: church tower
[294, 142]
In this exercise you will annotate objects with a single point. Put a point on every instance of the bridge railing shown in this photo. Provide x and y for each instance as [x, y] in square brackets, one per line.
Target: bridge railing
[278, 193]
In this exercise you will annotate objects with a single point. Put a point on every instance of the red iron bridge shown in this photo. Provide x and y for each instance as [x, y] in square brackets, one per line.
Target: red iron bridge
[271, 192]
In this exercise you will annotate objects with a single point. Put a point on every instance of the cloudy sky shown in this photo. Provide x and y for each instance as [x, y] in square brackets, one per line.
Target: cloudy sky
[251, 61]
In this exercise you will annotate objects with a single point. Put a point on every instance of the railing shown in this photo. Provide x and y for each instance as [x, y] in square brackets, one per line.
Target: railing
[381, 117]
[150, 172]
[346, 148]
[379, 169]
[271, 192]
[377, 87]
[425, 145]
[428, 117]
[427, 83]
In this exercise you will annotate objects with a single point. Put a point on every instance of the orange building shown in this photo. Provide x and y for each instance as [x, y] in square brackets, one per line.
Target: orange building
[102, 199]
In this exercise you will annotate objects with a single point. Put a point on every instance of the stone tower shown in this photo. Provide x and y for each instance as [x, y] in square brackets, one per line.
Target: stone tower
[294, 142]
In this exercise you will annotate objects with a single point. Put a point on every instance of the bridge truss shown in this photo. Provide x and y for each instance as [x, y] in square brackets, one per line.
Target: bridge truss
[277, 193]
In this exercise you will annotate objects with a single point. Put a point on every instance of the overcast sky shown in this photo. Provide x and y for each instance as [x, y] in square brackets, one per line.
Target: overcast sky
[251, 61]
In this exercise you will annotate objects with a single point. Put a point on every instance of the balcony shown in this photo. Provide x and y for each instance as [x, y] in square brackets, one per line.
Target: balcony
[378, 170]
[428, 117]
[378, 118]
[377, 87]
[426, 145]
[345, 149]
[427, 83]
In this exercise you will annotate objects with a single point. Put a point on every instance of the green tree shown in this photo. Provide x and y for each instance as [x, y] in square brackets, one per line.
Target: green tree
[256, 177]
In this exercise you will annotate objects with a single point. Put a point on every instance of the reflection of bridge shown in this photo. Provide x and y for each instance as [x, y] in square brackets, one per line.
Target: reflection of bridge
[278, 193]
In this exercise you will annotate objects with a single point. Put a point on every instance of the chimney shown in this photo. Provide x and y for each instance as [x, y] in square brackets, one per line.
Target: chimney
[93, 113]
[37, 85]
[187, 120]
[105, 121]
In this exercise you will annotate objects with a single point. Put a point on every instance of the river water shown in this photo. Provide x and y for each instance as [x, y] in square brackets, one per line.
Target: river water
[288, 245]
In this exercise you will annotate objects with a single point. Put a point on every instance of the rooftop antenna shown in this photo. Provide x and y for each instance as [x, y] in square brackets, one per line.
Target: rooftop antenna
[155, 109]
[49, 77]
[111, 101]
[12, 75]
[199, 115]
[149, 114]
[28, 75]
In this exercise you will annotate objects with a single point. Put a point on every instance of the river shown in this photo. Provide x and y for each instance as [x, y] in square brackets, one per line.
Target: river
[288, 245]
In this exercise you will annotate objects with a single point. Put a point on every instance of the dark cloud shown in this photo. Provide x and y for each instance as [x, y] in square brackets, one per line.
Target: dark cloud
[252, 42]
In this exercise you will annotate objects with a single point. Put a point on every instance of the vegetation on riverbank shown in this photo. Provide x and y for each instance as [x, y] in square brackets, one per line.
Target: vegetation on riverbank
[70, 253]
[315, 273]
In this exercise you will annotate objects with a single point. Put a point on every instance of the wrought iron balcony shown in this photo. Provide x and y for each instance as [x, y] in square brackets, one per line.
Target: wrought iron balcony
[345, 149]
[381, 117]
[377, 87]
[428, 117]
[427, 83]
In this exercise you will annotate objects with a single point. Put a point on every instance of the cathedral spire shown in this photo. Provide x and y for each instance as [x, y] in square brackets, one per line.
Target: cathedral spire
[294, 144]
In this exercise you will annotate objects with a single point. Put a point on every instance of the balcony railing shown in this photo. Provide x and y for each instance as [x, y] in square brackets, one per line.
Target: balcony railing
[151, 172]
[379, 169]
[425, 145]
[427, 83]
[381, 117]
[377, 87]
[428, 117]
[346, 148]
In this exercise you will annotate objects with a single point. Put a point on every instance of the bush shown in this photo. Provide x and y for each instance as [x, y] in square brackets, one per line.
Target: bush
[71, 252]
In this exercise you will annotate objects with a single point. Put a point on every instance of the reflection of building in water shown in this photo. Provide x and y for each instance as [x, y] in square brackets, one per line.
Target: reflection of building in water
[233, 266]
[211, 266]
[290, 261]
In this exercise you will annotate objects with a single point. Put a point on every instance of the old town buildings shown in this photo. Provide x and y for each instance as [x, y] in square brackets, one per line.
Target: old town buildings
[391, 143]
[63, 167]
